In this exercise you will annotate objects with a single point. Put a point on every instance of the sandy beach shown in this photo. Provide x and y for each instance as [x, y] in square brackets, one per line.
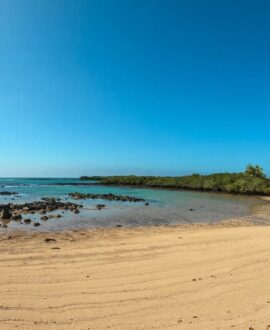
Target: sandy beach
[194, 277]
[135, 169]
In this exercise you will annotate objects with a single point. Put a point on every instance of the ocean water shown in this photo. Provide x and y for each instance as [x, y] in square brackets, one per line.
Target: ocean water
[166, 206]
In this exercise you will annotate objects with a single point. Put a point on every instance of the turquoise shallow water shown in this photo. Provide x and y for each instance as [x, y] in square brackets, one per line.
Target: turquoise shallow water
[166, 206]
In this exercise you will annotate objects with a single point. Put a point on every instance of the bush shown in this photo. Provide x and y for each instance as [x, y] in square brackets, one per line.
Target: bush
[253, 181]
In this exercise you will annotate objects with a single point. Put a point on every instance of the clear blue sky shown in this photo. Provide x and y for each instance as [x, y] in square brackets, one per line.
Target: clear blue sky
[141, 86]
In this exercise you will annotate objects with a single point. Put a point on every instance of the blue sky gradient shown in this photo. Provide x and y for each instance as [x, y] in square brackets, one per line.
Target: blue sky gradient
[145, 87]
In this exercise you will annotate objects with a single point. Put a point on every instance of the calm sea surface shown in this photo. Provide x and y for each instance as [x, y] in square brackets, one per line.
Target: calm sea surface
[166, 206]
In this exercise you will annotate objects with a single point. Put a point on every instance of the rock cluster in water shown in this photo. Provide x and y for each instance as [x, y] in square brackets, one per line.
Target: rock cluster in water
[15, 211]
[110, 197]
[7, 193]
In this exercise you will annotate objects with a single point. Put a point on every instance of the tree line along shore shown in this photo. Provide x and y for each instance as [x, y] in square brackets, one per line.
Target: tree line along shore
[252, 181]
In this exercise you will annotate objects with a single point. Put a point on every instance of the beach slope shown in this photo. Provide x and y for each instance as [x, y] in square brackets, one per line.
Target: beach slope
[151, 278]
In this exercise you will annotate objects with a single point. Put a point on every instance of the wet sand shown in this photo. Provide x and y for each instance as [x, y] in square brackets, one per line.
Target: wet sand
[183, 277]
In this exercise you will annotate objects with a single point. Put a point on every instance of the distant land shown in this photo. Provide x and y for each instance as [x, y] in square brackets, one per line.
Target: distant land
[252, 181]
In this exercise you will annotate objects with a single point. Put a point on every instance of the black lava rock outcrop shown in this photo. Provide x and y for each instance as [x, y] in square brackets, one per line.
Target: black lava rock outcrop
[110, 197]
[5, 213]
[15, 211]
[7, 193]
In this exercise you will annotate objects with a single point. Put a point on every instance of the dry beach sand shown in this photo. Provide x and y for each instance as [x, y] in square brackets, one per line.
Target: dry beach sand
[195, 277]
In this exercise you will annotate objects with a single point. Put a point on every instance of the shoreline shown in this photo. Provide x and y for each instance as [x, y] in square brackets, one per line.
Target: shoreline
[229, 223]
[256, 206]
[259, 214]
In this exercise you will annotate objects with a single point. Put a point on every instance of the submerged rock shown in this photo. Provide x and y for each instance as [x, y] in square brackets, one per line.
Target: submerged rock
[54, 216]
[100, 206]
[50, 199]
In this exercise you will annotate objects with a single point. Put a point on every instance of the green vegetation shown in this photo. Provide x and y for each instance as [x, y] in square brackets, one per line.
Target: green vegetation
[252, 181]
[255, 171]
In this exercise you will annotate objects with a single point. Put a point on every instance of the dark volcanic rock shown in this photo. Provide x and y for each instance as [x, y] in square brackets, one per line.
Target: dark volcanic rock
[49, 240]
[16, 217]
[5, 213]
[36, 224]
[100, 206]
[7, 193]
[44, 218]
[50, 199]
[110, 197]
[14, 211]
[27, 221]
